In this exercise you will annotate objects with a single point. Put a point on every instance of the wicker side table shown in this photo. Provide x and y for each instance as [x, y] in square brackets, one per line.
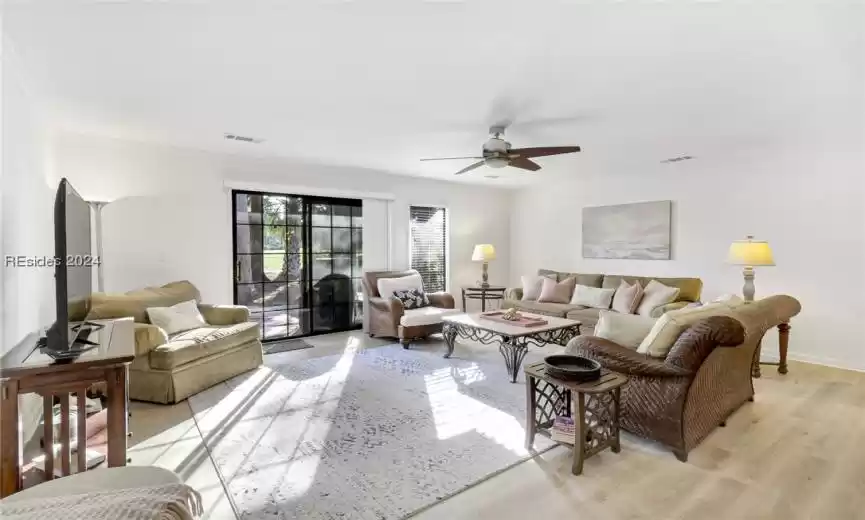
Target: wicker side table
[595, 406]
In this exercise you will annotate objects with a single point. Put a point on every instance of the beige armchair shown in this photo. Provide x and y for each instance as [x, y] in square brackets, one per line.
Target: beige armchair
[388, 318]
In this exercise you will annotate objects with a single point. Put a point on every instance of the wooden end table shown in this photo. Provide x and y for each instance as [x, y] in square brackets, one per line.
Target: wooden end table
[25, 370]
[595, 410]
[476, 292]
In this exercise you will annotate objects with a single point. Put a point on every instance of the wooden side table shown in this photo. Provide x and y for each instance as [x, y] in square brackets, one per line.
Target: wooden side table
[783, 344]
[476, 292]
[594, 406]
[25, 370]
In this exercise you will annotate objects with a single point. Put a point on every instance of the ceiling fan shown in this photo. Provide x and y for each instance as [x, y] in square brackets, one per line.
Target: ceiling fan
[497, 153]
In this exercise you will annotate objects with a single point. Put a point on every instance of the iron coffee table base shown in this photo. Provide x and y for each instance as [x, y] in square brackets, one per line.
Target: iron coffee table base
[512, 348]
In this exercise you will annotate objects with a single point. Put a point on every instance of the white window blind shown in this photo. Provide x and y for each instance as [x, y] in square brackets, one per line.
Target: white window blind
[428, 229]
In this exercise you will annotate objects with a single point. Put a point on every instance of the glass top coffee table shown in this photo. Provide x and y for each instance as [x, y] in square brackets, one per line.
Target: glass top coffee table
[513, 340]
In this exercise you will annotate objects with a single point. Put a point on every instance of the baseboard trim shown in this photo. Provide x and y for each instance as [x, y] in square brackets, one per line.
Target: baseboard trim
[826, 362]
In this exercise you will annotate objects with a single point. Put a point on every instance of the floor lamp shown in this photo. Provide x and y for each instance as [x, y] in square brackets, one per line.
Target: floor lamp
[97, 206]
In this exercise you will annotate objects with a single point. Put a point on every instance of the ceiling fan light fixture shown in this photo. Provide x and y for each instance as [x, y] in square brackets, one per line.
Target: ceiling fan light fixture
[496, 162]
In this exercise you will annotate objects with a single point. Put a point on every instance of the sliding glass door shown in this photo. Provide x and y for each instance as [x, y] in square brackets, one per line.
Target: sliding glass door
[298, 262]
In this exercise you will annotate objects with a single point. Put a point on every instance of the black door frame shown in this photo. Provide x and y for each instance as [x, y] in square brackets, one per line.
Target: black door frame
[306, 257]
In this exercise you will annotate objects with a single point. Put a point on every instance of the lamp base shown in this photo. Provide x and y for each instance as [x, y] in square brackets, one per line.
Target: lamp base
[485, 279]
[748, 289]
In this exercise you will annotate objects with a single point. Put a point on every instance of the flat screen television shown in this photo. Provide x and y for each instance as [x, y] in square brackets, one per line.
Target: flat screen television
[73, 274]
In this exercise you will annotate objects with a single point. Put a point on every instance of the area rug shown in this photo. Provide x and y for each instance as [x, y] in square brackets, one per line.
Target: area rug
[286, 345]
[369, 434]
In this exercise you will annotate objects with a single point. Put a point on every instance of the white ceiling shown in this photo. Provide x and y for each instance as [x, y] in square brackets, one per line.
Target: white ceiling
[381, 84]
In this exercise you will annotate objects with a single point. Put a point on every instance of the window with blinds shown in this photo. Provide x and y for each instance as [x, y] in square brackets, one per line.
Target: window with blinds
[428, 229]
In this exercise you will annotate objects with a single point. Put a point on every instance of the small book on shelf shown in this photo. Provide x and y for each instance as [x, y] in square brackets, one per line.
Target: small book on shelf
[564, 430]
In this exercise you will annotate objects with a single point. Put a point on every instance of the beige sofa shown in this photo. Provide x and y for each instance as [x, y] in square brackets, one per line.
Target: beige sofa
[168, 369]
[689, 291]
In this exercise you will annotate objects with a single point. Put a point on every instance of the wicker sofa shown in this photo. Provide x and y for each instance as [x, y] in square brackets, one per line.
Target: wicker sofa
[168, 369]
[705, 377]
[689, 291]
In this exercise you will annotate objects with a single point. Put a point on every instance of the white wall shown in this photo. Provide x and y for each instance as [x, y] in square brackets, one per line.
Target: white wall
[808, 203]
[178, 223]
[26, 218]
[27, 202]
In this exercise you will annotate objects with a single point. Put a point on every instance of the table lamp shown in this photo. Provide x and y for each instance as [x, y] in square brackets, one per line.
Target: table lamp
[484, 253]
[749, 253]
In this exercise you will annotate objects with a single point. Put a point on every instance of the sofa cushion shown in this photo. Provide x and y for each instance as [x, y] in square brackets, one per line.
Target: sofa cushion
[135, 303]
[425, 316]
[412, 298]
[587, 316]
[593, 297]
[627, 297]
[190, 345]
[689, 288]
[388, 286]
[532, 286]
[589, 280]
[655, 295]
[628, 330]
[553, 292]
[177, 318]
[549, 273]
[671, 324]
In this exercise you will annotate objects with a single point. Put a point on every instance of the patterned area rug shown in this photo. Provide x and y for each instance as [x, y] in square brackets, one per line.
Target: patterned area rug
[373, 434]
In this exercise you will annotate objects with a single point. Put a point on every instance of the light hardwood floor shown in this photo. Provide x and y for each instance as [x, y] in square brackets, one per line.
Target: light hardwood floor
[795, 453]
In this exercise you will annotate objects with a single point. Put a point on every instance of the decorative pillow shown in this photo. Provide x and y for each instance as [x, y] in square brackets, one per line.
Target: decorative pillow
[672, 324]
[412, 298]
[627, 297]
[532, 285]
[177, 318]
[592, 297]
[552, 292]
[628, 330]
[388, 286]
[654, 295]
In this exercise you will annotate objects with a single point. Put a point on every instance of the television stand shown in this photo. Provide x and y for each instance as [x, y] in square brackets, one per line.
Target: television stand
[29, 370]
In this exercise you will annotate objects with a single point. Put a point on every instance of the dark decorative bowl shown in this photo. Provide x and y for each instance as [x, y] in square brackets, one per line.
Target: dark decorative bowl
[572, 368]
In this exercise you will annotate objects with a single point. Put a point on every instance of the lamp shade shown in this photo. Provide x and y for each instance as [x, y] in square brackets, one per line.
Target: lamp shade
[750, 252]
[484, 253]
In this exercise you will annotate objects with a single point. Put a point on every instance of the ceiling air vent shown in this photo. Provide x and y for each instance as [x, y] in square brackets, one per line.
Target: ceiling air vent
[245, 139]
[677, 159]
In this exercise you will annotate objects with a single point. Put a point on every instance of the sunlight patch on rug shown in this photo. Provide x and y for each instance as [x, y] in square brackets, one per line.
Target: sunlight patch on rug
[370, 434]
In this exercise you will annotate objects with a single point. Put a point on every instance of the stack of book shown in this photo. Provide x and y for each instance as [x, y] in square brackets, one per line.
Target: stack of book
[564, 430]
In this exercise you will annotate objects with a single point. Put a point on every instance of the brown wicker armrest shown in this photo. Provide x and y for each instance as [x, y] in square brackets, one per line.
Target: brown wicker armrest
[441, 299]
[617, 358]
[695, 344]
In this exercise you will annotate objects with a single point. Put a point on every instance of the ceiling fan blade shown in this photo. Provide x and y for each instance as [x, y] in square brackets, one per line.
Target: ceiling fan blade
[449, 158]
[524, 164]
[542, 151]
[470, 168]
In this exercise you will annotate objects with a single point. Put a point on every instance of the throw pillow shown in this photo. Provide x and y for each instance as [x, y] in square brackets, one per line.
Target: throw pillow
[654, 295]
[552, 292]
[532, 286]
[628, 330]
[412, 298]
[627, 297]
[388, 286]
[592, 296]
[177, 318]
[672, 324]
